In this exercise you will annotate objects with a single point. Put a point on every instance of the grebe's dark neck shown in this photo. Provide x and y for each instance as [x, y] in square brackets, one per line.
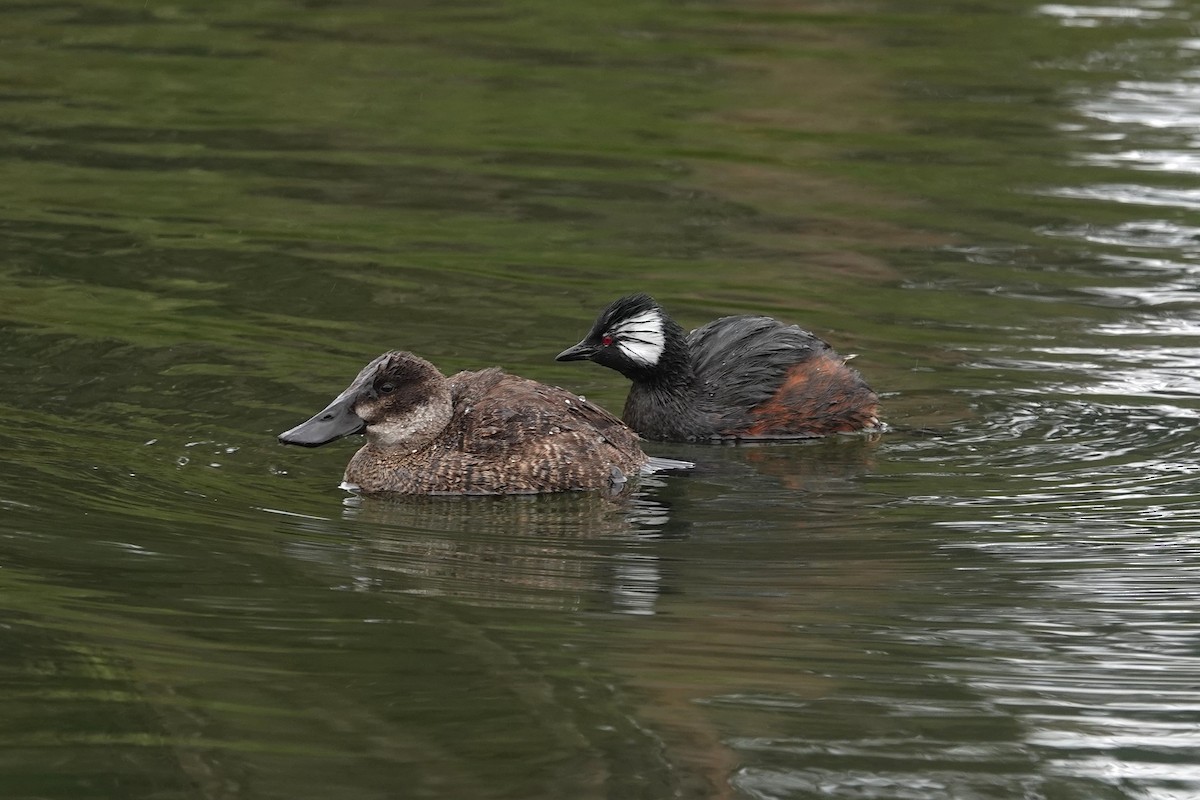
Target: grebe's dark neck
[664, 397]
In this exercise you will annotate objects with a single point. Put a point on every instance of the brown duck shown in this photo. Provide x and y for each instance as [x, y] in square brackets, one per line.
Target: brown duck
[483, 432]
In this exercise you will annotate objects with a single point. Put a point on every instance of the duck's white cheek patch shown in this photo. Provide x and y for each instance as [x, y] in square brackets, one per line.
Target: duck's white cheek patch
[413, 427]
[641, 338]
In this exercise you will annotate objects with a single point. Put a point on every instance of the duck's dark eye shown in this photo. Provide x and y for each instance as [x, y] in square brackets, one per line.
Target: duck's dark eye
[606, 339]
[386, 388]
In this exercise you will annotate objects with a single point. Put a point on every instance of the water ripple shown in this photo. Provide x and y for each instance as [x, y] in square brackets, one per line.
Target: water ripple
[1132, 194]
[1143, 233]
[1172, 105]
[1080, 16]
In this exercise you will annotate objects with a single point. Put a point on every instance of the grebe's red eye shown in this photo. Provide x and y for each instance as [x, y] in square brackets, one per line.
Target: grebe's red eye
[606, 340]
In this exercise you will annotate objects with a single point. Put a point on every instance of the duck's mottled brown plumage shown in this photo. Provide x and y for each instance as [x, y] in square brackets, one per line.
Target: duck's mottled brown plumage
[483, 432]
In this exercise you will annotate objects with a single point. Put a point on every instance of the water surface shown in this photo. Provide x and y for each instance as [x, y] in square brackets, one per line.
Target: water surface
[213, 214]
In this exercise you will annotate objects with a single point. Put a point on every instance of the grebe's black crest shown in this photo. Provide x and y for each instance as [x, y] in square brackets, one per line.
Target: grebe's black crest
[629, 307]
[481, 432]
[740, 377]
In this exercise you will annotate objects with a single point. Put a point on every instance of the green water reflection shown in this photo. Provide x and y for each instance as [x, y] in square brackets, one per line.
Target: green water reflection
[213, 213]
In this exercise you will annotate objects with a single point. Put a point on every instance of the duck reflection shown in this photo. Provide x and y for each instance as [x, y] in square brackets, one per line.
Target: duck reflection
[664, 621]
[578, 551]
[565, 551]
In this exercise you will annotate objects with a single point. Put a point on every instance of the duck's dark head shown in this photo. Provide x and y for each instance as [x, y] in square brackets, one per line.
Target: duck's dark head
[634, 336]
[397, 400]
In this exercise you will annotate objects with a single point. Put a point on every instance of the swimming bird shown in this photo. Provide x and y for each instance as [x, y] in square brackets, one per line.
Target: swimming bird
[484, 432]
[740, 377]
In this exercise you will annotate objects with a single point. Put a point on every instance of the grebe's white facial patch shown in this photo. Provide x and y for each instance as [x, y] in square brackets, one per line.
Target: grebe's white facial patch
[641, 337]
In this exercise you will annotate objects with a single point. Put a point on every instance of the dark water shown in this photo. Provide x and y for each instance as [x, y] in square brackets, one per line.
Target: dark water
[212, 214]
